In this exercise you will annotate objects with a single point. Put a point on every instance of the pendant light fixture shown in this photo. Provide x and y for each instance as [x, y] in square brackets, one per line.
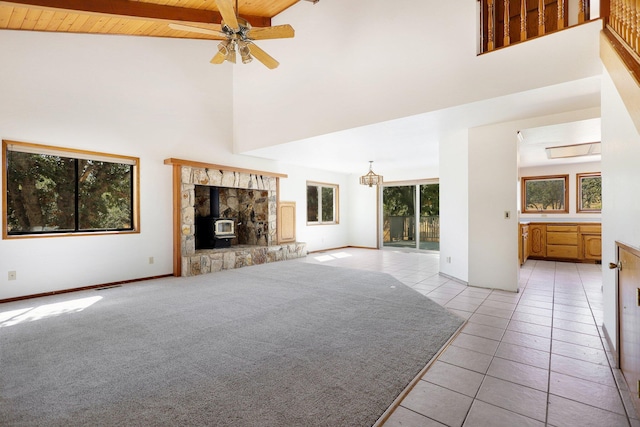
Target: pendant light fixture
[371, 178]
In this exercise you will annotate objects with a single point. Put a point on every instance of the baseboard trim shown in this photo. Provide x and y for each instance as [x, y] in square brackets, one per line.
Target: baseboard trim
[612, 347]
[340, 247]
[455, 279]
[83, 288]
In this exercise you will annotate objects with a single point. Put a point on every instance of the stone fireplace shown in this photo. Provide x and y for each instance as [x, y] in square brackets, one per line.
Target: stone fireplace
[248, 199]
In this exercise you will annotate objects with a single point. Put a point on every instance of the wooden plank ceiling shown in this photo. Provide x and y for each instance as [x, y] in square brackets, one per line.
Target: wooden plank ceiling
[127, 17]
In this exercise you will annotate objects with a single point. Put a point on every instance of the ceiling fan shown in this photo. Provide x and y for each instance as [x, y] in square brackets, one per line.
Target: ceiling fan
[237, 35]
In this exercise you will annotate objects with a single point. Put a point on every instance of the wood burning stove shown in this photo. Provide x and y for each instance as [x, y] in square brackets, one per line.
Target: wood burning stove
[214, 232]
[223, 232]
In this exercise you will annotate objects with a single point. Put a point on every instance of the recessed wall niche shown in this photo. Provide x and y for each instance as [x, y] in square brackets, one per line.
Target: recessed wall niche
[248, 208]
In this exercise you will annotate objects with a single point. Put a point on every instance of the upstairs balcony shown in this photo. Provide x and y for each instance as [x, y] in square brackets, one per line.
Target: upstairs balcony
[622, 27]
[507, 22]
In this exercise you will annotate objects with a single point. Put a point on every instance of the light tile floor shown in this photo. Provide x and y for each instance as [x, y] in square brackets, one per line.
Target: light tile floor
[533, 358]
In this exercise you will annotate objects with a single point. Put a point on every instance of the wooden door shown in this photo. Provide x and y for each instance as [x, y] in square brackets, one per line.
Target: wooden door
[629, 317]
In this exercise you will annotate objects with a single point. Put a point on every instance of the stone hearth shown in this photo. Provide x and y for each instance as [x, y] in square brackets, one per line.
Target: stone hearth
[249, 199]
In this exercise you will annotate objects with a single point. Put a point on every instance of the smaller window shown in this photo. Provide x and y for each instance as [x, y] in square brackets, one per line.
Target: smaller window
[545, 194]
[589, 187]
[322, 203]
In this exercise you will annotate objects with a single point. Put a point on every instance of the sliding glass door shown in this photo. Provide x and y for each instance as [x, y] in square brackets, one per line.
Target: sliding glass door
[411, 216]
[398, 216]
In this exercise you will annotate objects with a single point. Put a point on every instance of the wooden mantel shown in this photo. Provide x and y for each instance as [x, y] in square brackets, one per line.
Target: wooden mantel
[177, 197]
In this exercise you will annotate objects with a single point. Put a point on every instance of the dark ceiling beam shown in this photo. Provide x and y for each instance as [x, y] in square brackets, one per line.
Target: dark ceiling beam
[135, 10]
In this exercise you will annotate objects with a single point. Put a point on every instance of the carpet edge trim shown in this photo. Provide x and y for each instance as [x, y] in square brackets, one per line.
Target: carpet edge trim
[398, 400]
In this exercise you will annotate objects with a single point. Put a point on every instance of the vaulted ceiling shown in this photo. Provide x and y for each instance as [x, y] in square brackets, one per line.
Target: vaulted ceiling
[126, 17]
[417, 135]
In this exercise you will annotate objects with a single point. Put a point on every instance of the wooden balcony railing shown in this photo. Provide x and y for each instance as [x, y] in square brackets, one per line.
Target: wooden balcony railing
[624, 19]
[505, 22]
[622, 27]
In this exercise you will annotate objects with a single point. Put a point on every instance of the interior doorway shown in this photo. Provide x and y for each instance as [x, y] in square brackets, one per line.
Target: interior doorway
[411, 215]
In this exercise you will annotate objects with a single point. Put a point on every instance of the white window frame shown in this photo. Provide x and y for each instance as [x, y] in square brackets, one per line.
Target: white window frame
[336, 198]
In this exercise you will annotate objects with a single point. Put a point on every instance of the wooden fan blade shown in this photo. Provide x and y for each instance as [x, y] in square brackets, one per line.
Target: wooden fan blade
[228, 14]
[276, 32]
[218, 58]
[263, 56]
[217, 34]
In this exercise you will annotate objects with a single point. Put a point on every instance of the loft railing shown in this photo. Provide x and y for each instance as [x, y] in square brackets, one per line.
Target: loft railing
[506, 22]
[624, 20]
[622, 27]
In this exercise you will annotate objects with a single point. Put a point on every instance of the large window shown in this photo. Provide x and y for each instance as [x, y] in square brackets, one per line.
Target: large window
[589, 192]
[322, 203]
[53, 190]
[545, 194]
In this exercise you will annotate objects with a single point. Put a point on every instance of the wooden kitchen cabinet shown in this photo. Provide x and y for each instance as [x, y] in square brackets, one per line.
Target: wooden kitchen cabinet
[537, 240]
[565, 242]
[562, 241]
[591, 242]
[592, 247]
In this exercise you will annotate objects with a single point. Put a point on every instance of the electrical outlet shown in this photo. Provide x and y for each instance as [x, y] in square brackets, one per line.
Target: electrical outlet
[448, 260]
[12, 275]
[507, 214]
[151, 260]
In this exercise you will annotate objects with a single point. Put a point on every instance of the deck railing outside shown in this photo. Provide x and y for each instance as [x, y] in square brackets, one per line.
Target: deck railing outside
[402, 228]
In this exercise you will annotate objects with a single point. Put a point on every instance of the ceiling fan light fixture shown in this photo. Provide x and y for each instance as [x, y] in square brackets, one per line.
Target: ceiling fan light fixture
[228, 49]
[245, 53]
[371, 178]
[223, 47]
[237, 36]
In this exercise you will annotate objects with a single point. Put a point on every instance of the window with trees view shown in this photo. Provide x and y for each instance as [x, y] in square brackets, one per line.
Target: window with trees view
[545, 194]
[55, 190]
[322, 203]
[589, 192]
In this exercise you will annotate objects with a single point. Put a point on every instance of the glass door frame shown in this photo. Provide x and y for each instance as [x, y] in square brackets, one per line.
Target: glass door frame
[380, 210]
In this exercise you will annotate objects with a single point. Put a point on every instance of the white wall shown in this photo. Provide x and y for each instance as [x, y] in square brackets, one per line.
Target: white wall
[493, 239]
[144, 97]
[572, 170]
[454, 205]
[620, 177]
[362, 204]
[317, 237]
[354, 63]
